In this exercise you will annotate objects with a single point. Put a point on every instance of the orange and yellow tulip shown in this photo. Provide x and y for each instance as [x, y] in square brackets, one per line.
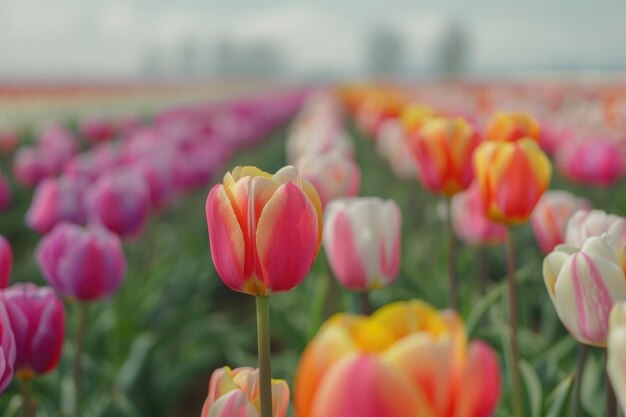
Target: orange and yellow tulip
[407, 359]
[265, 230]
[510, 127]
[443, 150]
[512, 177]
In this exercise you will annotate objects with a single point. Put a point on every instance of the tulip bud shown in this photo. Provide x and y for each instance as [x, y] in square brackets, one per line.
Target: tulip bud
[8, 350]
[584, 285]
[264, 230]
[616, 351]
[6, 262]
[470, 223]
[512, 177]
[550, 217]
[362, 241]
[333, 175]
[56, 200]
[120, 201]
[235, 393]
[443, 150]
[37, 318]
[83, 263]
[510, 127]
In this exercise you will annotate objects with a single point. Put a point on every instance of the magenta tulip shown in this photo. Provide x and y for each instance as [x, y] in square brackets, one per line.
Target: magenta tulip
[37, 318]
[86, 263]
[56, 200]
[120, 201]
[595, 161]
[97, 130]
[7, 348]
[6, 262]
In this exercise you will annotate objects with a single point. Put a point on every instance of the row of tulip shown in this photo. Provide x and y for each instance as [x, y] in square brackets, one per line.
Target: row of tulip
[100, 197]
[406, 358]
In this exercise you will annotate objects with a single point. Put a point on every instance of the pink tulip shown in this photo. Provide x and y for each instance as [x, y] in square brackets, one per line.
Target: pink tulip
[235, 393]
[37, 318]
[550, 216]
[470, 223]
[265, 230]
[392, 145]
[82, 263]
[8, 350]
[30, 166]
[158, 175]
[6, 262]
[362, 241]
[57, 200]
[333, 175]
[90, 165]
[5, 193]
[9, 140]
[593, 161]
[97, 130]
[120, 201]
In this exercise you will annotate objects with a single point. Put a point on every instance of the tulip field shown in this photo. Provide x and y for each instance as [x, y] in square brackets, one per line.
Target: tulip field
[438, 249]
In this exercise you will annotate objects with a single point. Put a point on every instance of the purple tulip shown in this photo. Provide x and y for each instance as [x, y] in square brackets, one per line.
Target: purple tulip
[86, 263]
[30, 166]
[6, 262]
[7, 348]
[57, 200]
[37, 318]
[120, 201]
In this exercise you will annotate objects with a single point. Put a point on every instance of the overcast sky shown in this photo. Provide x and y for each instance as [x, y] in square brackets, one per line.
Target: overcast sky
[40, 38]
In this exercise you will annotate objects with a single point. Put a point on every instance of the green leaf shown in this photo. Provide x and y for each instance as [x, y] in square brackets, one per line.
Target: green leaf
[557, 400]
[534, 390]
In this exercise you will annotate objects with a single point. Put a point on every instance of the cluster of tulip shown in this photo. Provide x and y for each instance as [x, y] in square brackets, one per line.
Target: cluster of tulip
[100, 197]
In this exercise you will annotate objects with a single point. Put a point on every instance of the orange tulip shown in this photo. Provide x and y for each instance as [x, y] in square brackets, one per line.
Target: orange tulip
[407, 359]
[510, 127]
[265, 230]
[512, 177]
[443, 150]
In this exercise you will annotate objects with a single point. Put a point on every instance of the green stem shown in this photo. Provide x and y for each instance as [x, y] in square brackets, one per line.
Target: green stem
[78, 353]
[611, 400]
[580, 366]
[366, 307]
[29, 407]
[512, 301]
[453, 287]
[265, 368]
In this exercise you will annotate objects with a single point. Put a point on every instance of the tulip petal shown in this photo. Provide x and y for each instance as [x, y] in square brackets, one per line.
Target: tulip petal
[226, 238]
[480, 385]
[233, 404]
[286, 238]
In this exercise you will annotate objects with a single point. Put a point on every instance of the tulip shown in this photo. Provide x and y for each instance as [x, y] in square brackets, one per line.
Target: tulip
[333, 175]
[616, 351]
[56, 200]
[378, 107]
[470, 223]
[584, 285]
[392, 146]
[235, 393]
[30, 166]
[443, 150]
[414, 116]
[7, 348]
[6, 262]
[550, 217]
[595, 161]
[407, 359]
[317, 139]
[119, 201]
[97, 130]
[5, 193]
[362, 241]
[511, 127]
[158, 174]
[512, 177]
[264, 230]
[37, 318]
[9, 138]
[584, 224]
[82, 263]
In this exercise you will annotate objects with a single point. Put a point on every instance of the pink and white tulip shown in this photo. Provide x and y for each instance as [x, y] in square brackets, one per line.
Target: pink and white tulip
[392, 145]
[333, 175]
[586, 223]
[470, 223]
[56, 200]
[8, 350]
[235, 393]
[550, 217]
[362, 241]
[583, 285]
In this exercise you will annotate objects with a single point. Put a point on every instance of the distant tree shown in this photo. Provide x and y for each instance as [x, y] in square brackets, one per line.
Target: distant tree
[452, 49]
[385, 52]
